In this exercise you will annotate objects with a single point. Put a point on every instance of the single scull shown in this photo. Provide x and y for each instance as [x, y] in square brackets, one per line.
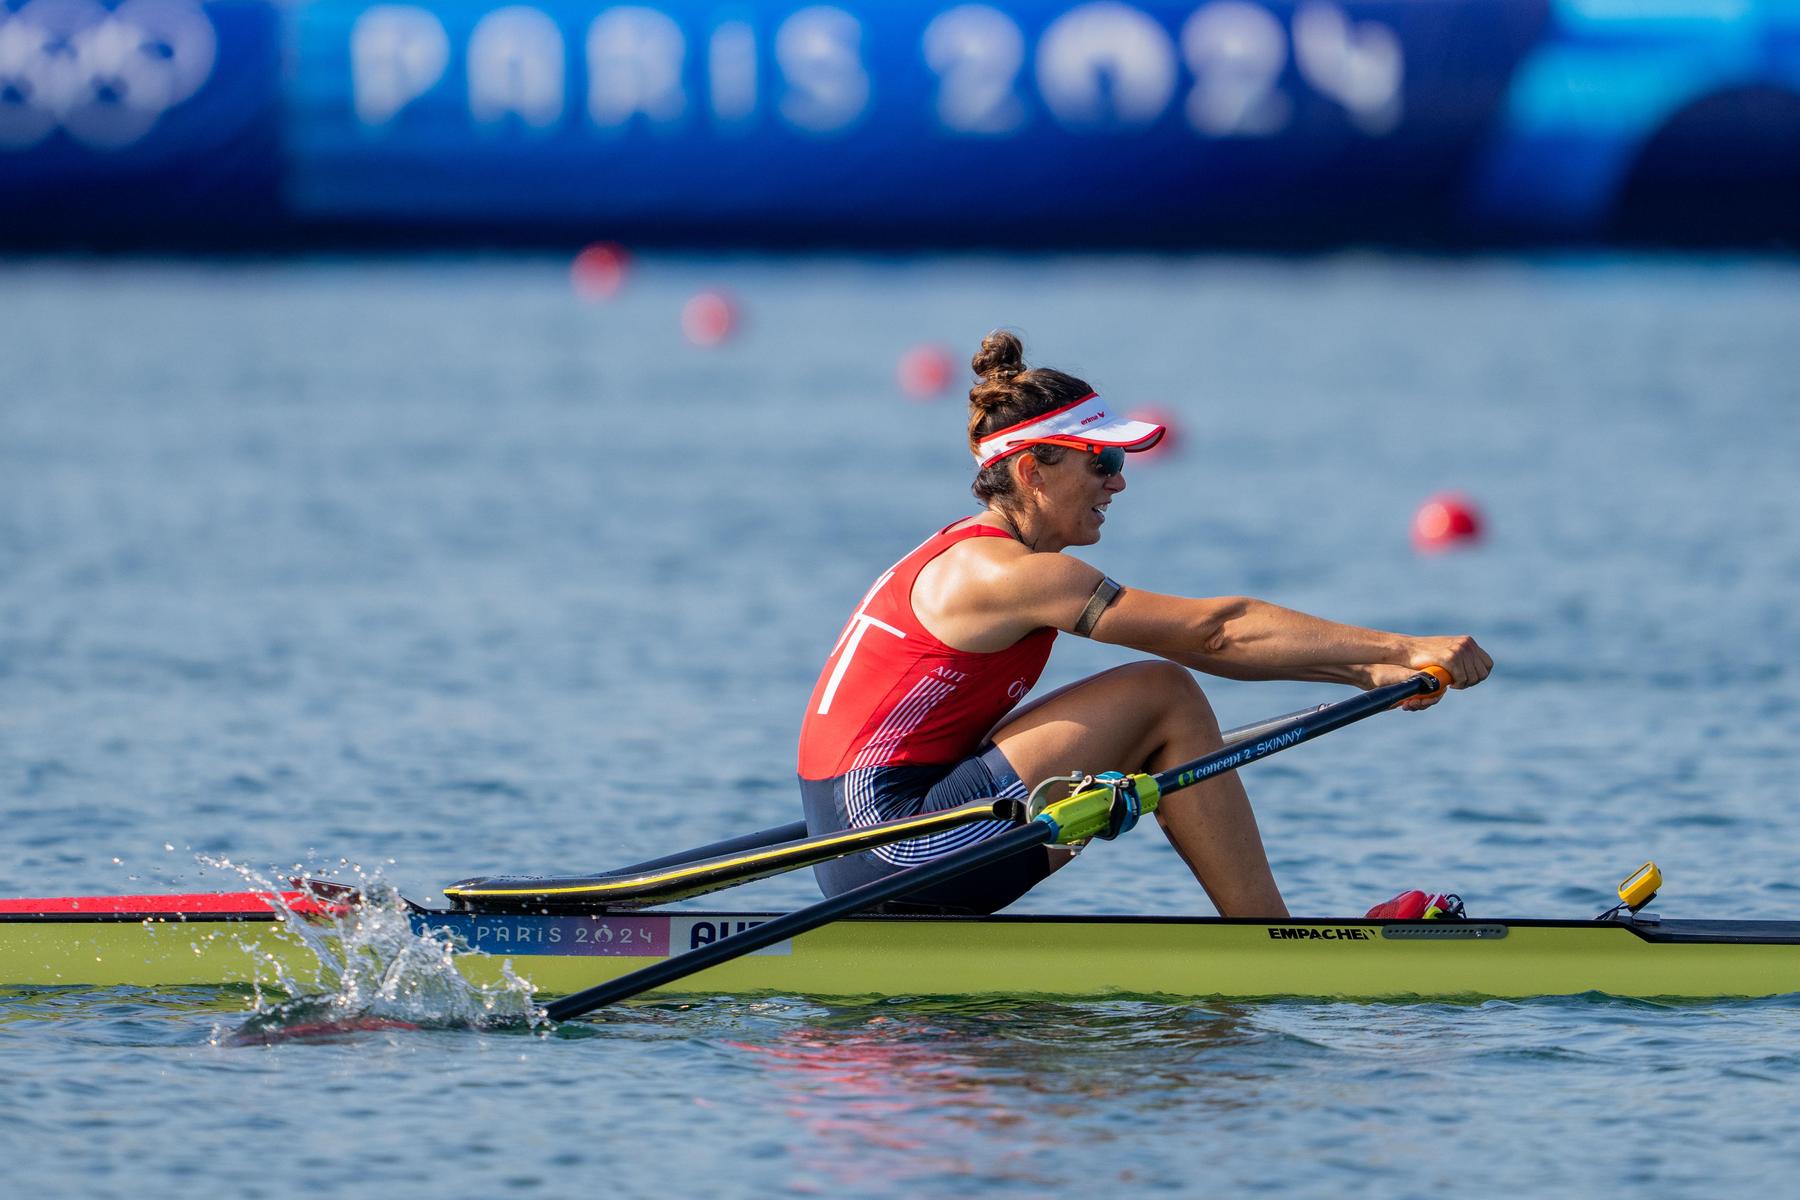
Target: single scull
[591, 941]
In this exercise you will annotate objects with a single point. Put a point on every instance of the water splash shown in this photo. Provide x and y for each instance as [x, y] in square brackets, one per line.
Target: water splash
[375, 972]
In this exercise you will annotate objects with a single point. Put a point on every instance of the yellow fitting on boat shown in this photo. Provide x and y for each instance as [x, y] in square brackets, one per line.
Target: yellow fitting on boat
[1640, 886]
[1089, 813]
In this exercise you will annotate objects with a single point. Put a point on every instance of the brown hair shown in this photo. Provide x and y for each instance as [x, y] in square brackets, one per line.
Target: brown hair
[1007, 394]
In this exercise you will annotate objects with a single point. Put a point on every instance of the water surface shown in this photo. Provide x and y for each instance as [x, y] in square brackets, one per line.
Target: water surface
[424, 567]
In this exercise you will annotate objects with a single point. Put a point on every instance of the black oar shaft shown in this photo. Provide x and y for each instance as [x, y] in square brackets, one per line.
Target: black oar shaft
[895, 886]
[794, 831]
[1302, 727]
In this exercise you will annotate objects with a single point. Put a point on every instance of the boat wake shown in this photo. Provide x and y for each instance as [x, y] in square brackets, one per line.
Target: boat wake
[376, 973]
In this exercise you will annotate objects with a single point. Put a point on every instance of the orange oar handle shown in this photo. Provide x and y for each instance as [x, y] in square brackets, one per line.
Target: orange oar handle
[1438, 673]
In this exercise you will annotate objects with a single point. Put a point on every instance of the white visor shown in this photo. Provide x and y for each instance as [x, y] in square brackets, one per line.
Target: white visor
[1087, 424]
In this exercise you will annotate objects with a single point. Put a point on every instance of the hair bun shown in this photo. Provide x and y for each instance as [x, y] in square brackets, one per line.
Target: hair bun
[1001, 356]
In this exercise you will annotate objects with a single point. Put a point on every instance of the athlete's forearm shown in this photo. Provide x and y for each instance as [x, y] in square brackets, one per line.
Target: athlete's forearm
[1241, 638]
[1253, 639]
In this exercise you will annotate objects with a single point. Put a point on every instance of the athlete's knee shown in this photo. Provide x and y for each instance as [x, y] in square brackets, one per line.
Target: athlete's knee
[1173, 685]
[1165, 678]
[1184, 702]
[1158, 674]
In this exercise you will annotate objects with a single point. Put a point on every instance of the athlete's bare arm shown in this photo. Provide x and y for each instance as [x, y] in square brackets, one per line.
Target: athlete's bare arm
[1244, 638]
[986, 594]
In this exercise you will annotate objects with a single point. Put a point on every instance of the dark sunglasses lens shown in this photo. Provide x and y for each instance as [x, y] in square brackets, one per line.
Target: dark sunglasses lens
[1109, 462]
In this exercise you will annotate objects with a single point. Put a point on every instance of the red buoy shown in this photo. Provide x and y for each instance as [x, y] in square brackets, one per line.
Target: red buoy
[925, 371]
[708, 318]
[599, 271]
[1445, 522]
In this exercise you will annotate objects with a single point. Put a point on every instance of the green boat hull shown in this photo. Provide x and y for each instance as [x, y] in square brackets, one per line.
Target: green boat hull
[1027, 956]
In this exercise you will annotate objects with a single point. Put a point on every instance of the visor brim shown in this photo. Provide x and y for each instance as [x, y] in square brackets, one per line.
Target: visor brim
[1129, 436]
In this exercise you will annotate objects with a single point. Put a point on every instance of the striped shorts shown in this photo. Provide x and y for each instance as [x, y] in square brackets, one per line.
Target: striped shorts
[869, 795]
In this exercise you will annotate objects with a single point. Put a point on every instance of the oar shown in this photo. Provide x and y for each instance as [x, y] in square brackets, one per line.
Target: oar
[1232, 737]
[1100, 811]
[683, 880]
[734, 861]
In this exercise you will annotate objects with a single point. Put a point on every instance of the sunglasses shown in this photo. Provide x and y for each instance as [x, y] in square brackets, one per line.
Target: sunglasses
[1109, 461]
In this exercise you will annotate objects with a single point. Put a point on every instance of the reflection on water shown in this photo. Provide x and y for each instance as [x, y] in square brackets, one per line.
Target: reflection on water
[893, 1092]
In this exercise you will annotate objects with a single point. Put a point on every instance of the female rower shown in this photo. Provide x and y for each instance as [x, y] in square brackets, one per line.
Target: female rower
[914, 710]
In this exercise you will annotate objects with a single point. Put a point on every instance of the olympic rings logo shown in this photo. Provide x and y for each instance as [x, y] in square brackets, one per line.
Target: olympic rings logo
[104, 76]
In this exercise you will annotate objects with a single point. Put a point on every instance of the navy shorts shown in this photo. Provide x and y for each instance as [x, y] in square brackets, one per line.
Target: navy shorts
[874, 794]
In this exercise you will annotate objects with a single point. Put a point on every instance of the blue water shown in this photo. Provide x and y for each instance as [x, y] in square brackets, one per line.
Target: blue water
[426, 568]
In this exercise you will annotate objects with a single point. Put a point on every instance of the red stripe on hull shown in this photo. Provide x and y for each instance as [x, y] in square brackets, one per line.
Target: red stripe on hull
[253, 904]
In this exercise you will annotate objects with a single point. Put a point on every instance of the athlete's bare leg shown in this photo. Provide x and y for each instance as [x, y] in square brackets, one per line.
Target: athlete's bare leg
[1149, 716]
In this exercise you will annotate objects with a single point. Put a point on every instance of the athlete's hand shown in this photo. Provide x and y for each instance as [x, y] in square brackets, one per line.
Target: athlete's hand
[1467, 663]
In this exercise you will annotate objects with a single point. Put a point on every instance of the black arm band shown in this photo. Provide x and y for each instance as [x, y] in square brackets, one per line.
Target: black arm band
[1105, 594]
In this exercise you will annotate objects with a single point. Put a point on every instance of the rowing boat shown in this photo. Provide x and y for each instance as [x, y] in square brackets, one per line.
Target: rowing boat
[590, 941]
[262, 939]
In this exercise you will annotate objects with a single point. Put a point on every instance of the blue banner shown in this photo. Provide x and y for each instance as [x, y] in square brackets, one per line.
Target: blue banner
[1106, 121]
[1023, 122]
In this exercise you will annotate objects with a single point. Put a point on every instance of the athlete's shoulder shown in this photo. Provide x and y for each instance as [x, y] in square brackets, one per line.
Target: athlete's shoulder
[1011, 573]
[1046, 569]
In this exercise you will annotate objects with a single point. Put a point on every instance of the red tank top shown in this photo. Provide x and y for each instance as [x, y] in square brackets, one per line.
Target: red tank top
[891, 693]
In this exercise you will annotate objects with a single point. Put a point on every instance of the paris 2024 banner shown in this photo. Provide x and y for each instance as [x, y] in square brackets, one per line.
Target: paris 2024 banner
[1033, 123]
